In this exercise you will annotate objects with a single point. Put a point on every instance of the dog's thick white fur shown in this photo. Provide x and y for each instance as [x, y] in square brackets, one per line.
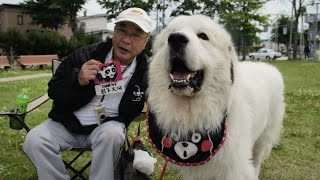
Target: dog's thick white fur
[251, 94]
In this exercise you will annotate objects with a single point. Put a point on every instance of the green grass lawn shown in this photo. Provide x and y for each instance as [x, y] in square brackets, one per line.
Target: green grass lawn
[17, 71]
[297, 157]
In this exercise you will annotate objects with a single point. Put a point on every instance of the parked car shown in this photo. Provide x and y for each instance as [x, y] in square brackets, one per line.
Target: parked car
[265, 54]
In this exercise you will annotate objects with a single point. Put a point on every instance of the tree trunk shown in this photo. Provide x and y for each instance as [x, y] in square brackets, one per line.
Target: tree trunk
[73, 24]
[295, 39]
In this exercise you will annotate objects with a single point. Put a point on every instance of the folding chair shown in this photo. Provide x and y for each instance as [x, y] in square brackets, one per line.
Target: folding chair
[37, 102]
[34, 104]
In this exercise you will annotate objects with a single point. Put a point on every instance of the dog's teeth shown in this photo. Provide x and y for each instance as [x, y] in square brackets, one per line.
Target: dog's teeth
[188, 77]
[171, 76]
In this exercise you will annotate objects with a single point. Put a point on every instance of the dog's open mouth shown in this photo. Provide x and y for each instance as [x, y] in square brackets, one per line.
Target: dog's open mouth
[183, 78]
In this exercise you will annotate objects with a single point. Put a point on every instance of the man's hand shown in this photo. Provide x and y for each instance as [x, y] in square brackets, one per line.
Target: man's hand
[88, 72]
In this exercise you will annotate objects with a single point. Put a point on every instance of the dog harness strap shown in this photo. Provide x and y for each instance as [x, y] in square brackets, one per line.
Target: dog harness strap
[194, 150]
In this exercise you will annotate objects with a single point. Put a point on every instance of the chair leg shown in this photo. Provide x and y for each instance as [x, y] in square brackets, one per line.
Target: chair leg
[81, 171]
[77, 173]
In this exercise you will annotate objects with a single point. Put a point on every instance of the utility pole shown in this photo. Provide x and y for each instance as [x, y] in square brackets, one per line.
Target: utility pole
[301, 37]
[315, 33]
[290, 41]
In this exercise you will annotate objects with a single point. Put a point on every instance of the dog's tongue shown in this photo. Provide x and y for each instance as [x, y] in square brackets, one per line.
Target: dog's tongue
[180, 75]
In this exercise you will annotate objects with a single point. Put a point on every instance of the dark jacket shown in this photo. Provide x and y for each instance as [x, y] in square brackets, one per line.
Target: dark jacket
[68, 95]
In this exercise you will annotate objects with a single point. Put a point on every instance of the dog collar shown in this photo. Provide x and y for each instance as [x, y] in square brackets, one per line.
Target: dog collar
[195, 150]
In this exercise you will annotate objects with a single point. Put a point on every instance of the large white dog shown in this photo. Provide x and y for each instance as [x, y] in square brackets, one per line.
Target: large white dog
[210, 115]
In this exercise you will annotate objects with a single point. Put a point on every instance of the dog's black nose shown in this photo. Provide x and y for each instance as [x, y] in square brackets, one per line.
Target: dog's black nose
[177, 40]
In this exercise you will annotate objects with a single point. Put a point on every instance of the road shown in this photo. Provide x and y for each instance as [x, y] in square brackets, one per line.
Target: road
[25, 77]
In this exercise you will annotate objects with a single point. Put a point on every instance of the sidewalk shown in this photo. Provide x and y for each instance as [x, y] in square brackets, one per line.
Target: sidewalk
[25, 77]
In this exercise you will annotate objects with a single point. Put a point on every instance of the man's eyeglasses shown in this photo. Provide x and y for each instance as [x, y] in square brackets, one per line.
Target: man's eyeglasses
[134, 37]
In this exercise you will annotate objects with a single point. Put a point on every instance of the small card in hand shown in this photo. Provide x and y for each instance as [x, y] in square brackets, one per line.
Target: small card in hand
[109, 72]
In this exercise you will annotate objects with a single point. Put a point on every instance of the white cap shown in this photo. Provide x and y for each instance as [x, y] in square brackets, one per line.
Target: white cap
[137, 16]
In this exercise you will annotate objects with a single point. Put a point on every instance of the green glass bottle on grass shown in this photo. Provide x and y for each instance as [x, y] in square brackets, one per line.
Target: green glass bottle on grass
[22, 100]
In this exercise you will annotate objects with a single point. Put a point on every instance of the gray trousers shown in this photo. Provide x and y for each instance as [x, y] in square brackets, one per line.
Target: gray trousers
[44, 143]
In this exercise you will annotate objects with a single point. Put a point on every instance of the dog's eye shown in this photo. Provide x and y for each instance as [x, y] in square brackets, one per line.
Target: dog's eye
[203, 36]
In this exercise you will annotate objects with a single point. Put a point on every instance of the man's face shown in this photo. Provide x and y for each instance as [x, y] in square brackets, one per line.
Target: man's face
[128, 41]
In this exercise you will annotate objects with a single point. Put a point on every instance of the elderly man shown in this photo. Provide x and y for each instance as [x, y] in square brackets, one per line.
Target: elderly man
[96, 91]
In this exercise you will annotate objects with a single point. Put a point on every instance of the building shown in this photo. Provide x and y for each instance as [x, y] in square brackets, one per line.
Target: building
[12, 16]
[96, 24]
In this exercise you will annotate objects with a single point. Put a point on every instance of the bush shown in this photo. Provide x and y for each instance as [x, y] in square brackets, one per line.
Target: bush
[45, 42]
[38, 42]
[13, 41]
[80, 39]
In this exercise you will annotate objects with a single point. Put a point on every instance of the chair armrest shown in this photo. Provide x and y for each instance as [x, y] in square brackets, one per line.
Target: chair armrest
[14, 116]
[35, 103]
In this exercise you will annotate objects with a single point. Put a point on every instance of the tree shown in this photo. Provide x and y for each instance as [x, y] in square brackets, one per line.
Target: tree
[186, 7]
[53, 14]
[189, 7]
[241, 19]
[45, 13]
[71, 7]
[114, 7]
[281, 30]
[298, 8]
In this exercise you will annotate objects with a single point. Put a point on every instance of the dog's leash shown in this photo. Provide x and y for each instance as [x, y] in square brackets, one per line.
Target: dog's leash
[163, 169]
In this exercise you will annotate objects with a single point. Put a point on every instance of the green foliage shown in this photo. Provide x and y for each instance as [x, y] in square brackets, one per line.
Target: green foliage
[46, 13]
[71, 7]
[44, 42]
[12, 40]
[115, 7]
[53, 14]
[78, 40]
[241, 19]
[189, 7]
[282, 24]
